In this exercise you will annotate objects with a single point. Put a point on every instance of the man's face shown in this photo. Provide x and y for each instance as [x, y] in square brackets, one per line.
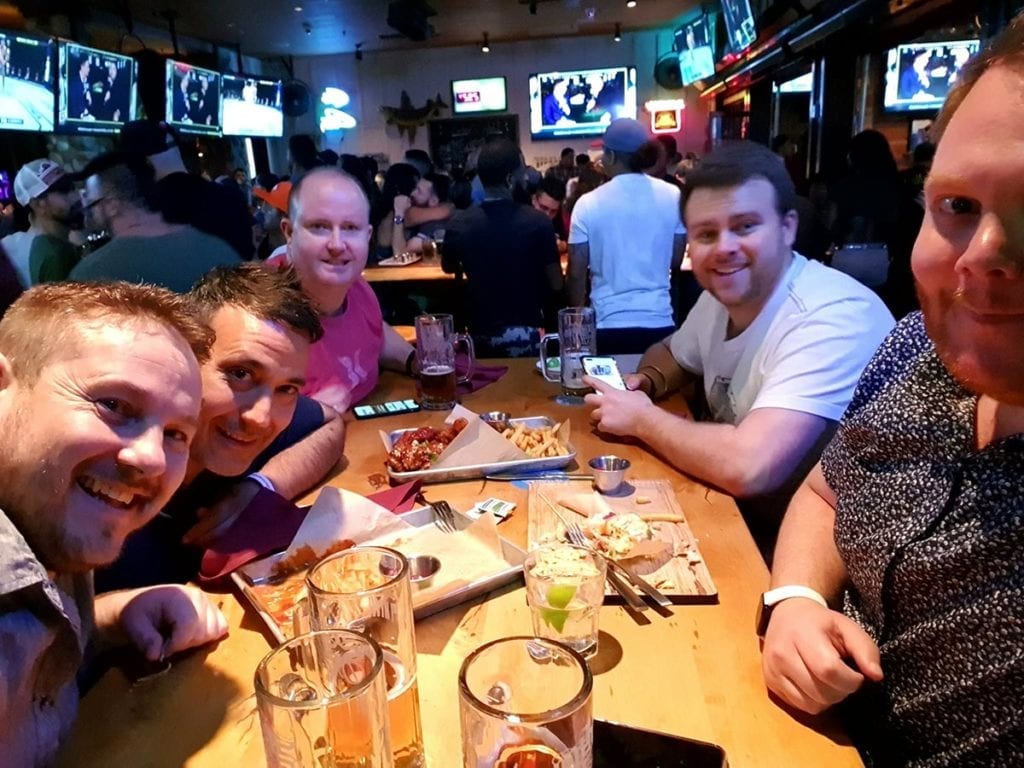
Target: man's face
[329, 238]
[98, 443]
[423, 193]
[969, 255]
[738, 242]
[83, 69]
[95, 205]
[63, 204]
[271, 216]
[546, 204]
[251, 384]
[112, 70]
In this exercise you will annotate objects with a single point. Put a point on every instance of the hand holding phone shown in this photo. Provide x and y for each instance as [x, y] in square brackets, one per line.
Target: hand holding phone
[604, 369]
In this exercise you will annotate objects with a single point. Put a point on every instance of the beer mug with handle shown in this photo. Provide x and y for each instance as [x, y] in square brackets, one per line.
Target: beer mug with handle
[577, 337]
[436, 341]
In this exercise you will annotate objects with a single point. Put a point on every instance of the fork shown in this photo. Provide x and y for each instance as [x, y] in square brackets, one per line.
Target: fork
[444, 516]
[577, 537]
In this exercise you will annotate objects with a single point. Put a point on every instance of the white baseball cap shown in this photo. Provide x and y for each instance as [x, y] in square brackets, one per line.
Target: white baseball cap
[35, 179]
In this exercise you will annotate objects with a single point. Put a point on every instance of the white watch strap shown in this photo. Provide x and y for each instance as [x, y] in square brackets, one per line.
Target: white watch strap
[777, 595]
[263, 480]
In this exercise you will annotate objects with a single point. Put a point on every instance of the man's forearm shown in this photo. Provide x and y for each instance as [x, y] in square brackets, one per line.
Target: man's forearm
[665, 374]
[417, 215]
[806, 551]
[579, 261]
[301, 466]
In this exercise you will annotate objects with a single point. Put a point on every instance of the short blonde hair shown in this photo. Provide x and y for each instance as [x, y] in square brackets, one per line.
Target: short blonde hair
[46, 319]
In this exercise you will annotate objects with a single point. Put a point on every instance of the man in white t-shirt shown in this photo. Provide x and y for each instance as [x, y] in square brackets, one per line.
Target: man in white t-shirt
[779, 341]
[628, 235]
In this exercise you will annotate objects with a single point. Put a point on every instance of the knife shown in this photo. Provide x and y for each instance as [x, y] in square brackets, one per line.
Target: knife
[619, 584]
[536, 476]
[637, 581]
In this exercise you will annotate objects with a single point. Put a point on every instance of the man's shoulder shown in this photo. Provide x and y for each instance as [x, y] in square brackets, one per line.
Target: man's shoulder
[210, 244]
[821, 288]
[19, 567]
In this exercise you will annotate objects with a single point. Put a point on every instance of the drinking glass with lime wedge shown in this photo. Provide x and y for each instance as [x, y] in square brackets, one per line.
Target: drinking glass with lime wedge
[565, 589]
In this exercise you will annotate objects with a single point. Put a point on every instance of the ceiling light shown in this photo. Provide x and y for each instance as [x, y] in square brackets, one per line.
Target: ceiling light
[297, 9]
[631, 3]
[486, 47]
[618, 32]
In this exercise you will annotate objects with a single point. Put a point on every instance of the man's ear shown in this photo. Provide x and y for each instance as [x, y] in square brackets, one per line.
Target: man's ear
[790, 223]
[286, 228]
[7, 379]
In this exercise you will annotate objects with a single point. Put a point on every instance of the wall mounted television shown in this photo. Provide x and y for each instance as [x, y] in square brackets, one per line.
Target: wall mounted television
[739, 24]
[97, 89]
[580, 102]
[193, 98]
[28, 99]
[485, 94]
[695, 42]
[250, 106]
[918, 76]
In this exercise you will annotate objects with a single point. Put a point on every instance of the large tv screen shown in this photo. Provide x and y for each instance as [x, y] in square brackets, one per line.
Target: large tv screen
[739, 24]
[695, 44]
[250, 106]
[27, 96]
[918, 76]
[97, 89]
[486, 94]
[580, 102]
[193, 98]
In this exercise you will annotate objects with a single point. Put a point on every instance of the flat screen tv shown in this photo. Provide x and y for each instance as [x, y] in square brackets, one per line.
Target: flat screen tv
[250, 106]
[739, 24]
[580, 102]
[193, 98]
[918, 76]
[695, 42]
[27, 94]
[97, 89]
[485, 94]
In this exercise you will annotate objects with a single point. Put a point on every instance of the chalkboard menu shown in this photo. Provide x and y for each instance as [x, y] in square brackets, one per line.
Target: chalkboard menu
[453, 140]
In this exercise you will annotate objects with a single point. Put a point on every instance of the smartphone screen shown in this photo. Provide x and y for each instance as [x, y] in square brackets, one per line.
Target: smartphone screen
[620, 746]
[385, 409]
[604, 369]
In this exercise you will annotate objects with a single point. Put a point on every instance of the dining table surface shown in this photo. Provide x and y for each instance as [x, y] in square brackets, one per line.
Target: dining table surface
[695, 672]
[426, 269]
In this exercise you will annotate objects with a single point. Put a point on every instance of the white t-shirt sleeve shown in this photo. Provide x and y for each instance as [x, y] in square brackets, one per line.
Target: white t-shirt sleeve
[578, 232]
[814, 366]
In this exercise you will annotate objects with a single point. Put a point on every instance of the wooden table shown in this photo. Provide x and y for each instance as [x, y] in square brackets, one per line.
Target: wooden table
[696, 673]
[425, 269]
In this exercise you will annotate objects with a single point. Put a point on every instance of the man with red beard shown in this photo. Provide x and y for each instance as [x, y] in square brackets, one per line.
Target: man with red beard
[255, 429]
[779, 341]
[99, 399]
[899, 576]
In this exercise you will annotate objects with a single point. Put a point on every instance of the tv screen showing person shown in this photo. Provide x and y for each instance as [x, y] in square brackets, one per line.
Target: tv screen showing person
[193, 98]
[580, 102]
[919, 75]
[696, 54]
[27, 98]
[97, 90]
[251, 106]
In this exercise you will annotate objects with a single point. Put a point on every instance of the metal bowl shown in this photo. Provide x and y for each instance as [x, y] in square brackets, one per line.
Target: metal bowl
[609, 472]
[423, 569]
[499, 420]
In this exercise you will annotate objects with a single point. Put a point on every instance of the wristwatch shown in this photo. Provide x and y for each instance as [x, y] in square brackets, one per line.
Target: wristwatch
[398, 220]
[773, 597]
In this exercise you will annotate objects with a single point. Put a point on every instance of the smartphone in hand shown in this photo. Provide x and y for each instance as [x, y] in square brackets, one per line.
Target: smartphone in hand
[604, 369]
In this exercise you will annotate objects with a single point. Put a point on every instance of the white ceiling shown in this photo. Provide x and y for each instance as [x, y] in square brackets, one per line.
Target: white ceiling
[276, 28]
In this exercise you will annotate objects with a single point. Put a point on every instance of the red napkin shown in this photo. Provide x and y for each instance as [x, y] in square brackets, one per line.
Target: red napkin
[270, 522]
[482, 376]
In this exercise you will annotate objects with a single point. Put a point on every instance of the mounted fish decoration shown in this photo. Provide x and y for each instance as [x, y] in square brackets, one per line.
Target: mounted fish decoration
[408, 118]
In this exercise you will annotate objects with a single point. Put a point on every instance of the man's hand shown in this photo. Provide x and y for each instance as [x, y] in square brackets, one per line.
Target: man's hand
[637, 381]
[215, 519]
[402, 204]
[805, 655]
[616, 411]
[163, 620]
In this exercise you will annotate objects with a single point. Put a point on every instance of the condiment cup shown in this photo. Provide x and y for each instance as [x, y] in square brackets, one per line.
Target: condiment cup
[609, 472]
[422, 569]
[497, 419]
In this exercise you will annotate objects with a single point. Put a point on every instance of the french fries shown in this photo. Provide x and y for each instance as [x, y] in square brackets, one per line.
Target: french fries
[536, 443]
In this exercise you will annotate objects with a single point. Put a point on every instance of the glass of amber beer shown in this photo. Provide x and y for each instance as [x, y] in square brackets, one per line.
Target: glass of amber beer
[322, 701]
[367, 589]
[436, 342]
[525, 702]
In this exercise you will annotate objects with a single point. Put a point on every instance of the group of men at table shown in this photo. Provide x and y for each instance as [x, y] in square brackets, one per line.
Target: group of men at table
[896, 576]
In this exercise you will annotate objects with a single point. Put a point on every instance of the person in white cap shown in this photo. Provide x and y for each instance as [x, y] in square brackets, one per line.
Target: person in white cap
[55, 208]
[629, 236]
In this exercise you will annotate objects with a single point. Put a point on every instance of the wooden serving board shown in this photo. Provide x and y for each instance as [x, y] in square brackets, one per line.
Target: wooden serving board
[680, 574]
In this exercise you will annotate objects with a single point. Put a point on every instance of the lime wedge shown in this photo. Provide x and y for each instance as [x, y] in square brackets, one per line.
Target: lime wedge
[558, 596]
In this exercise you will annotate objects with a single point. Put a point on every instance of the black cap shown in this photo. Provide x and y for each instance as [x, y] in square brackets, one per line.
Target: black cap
[147, 137]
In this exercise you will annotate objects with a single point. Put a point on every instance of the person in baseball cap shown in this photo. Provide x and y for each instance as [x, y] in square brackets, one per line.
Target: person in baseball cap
[273, 206]
[625, 136]
[54, 209]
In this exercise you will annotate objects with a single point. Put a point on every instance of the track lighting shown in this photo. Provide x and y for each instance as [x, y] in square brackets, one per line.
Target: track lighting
[617, 37]
[486, 47]
[359, 51]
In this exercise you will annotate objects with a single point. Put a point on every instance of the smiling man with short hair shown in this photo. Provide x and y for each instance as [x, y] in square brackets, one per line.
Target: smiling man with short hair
[779, 341]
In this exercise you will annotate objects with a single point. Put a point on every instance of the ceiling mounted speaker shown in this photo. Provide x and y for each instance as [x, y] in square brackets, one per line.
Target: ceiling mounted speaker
[295, 98]
[667, 73]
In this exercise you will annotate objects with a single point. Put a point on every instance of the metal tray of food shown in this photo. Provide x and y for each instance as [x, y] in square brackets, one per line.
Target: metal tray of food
[274, 600]
[470, 471]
